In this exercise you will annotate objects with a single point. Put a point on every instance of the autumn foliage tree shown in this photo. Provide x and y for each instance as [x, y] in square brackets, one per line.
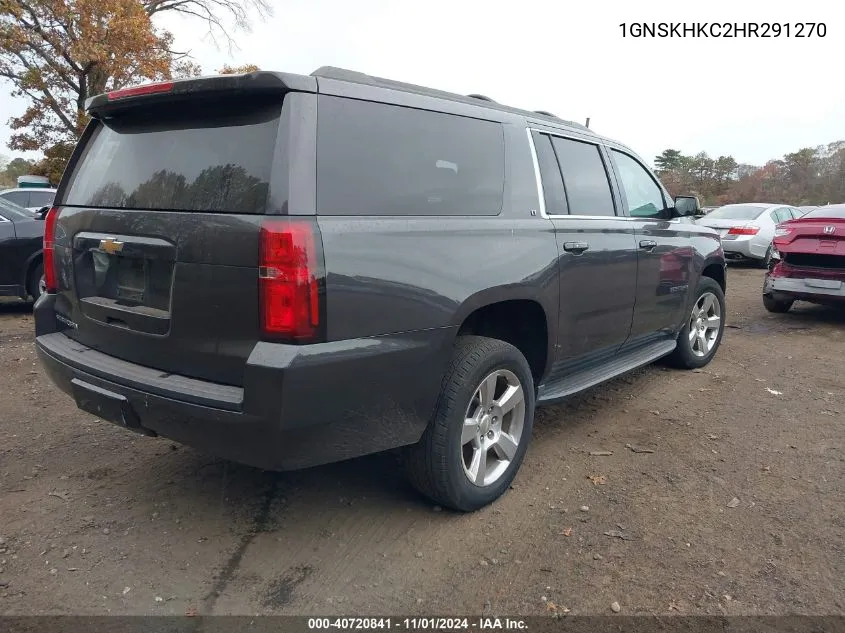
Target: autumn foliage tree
[810, 176]
[237, 70]
[57, 53]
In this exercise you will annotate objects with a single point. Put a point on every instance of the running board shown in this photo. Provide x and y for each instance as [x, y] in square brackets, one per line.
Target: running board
[625, 362]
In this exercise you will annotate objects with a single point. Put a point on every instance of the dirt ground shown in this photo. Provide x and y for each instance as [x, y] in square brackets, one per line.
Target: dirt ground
[739, 509]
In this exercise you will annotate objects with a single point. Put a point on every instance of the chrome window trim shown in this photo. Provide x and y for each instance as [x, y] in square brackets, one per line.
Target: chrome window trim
[537, 177]
[4, 219]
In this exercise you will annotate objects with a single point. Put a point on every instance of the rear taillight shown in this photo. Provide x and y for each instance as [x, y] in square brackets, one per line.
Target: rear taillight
[50, 276]
[744, 230]
[290, 274]
[137, 91]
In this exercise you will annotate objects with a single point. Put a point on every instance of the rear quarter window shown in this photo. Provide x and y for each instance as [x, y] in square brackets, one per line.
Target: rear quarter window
[378, 159]
[214, 157]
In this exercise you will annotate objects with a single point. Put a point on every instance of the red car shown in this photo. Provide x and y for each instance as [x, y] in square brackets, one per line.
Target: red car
[808, 260]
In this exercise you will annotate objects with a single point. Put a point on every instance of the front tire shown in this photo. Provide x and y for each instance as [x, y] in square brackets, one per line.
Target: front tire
[702, 332]
[475, 444]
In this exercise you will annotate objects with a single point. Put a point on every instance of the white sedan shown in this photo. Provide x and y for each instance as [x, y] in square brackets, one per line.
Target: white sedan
[747, 230]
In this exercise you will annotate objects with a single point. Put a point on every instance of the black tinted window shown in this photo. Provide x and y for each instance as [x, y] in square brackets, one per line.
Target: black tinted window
[584, 177]
[20, 198]
[41, 198]
[194, 157]
[553, 191]
[377, 159]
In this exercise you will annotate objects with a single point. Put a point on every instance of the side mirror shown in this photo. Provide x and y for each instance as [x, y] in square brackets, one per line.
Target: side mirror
[687, 206]
[42, 212]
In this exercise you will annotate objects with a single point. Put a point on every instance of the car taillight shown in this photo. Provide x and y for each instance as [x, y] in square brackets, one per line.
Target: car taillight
[50, 277]
[137, 91]
[290, 273]
[744, 230]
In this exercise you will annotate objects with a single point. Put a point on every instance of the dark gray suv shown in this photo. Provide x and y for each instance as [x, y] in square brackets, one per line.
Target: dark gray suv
[290, 270]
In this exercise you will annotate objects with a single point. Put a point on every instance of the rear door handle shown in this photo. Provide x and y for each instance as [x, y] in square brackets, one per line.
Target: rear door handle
[575, 247]
[648, 244]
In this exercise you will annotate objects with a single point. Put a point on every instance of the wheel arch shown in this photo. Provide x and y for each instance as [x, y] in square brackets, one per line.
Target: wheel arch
[518, 315]
[29, 264]
[716, 269]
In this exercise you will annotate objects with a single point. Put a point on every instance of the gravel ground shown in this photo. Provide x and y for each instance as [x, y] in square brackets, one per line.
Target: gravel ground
[737, 508]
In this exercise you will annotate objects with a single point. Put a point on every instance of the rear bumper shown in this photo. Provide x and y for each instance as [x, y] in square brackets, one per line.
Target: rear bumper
[818, 290]
[748, 248]
[300, 406]
[13, 291]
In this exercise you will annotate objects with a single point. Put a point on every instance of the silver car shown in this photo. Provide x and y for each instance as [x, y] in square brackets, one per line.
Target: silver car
[747, 229]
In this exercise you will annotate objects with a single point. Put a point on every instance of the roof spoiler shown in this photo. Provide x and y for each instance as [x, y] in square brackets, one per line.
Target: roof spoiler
[260, 82]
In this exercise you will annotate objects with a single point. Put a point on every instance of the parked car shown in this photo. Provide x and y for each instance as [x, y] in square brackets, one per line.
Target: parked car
[289, 270]
[809, 263]
[31, 198]
[21, 243]
[747, 229]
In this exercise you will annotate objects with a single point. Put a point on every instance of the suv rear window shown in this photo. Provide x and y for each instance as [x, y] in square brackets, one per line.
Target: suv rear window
[185, 157]
[378, 159]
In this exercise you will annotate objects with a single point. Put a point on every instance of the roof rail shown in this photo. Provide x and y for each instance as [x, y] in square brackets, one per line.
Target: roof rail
[482, 97]
[333, 72]
[547, 113]
[341, 74]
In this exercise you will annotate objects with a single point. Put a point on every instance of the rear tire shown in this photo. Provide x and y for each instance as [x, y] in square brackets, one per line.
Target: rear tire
[481, 426]
[767, 259]
[701, 335]
[776, 305]
[35, 281]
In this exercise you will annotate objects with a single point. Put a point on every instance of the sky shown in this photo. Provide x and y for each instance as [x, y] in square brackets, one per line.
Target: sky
[753, 98]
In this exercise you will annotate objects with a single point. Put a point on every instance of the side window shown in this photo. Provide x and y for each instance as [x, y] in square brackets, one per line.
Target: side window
[584, 177]
[645, 200]
[378, 159]
[553, 191]
[796, 213]
[20, 198]
[782, 214]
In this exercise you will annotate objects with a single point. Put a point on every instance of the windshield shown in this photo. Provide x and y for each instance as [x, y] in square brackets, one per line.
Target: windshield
[736, 212]
[836, 211]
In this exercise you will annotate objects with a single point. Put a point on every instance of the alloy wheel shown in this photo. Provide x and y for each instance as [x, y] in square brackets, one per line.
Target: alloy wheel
[705, 324]
[493, 426]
